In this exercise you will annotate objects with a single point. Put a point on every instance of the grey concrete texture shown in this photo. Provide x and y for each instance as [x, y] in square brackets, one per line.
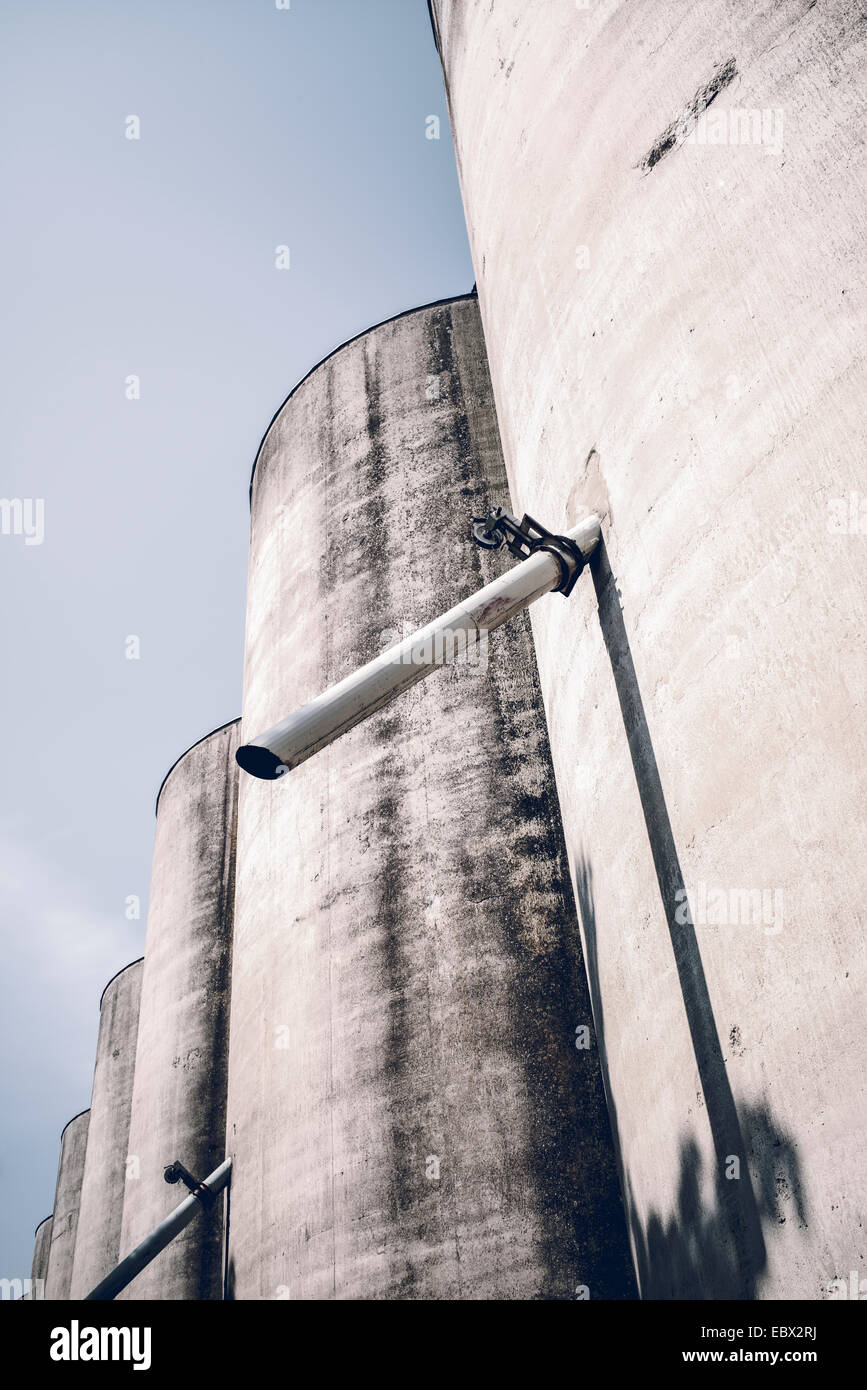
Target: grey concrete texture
[665, 207]
[41, 1252]
[64, 1225]
[97, 1247]
[179, 1092]
[409, 1115]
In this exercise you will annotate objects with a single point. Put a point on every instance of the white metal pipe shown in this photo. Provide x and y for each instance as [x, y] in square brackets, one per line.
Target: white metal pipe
[440, 643]
[137, 1259]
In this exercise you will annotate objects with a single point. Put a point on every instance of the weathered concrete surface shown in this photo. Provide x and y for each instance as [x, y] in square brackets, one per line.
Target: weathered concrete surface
[97, 1245]
[64, 1226]
[676, 339]
[409, 1116]
[41, 1252]
[179, 1094]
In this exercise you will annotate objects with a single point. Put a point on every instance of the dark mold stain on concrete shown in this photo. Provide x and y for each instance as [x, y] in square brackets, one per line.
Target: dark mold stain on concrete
[582, 1227]
[394, 906]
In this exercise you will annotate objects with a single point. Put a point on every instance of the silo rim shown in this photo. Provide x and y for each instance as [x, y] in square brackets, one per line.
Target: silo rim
[138, 960]
[219, 729]
[393, 318]
[433, 23]
[49, 1217]
[69, 1122]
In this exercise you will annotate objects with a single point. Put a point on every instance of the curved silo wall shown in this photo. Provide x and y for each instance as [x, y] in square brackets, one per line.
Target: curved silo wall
[663, 208]
[41, 1252]
[409, 1116]
[179, 1092]
[97, 1246]
[64, 1226]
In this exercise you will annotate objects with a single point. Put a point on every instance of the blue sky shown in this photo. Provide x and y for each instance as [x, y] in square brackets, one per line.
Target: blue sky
[259, 127]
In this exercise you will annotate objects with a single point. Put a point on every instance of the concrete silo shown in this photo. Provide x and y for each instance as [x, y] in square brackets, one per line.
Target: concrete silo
[179, 1092]
[97, 1248]
[661, 202]
[41, 1252]
[409, 1115]
[64, 1225]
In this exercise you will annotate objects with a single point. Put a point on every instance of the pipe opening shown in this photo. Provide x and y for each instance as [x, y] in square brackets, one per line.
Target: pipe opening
[260, 762]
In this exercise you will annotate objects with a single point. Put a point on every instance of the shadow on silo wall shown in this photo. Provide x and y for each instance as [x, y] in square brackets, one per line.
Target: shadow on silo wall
[694, 1252]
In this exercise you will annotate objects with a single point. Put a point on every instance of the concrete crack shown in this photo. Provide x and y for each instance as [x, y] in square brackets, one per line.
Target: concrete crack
[675, 133]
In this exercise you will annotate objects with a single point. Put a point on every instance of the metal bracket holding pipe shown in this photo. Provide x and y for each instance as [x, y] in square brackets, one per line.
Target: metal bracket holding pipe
[524, 538]
[138, 1259]
[176, 1172]
[553, 563]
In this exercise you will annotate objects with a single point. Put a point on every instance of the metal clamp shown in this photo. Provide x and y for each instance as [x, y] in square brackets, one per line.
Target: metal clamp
[176, 1172]
[524, 538]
